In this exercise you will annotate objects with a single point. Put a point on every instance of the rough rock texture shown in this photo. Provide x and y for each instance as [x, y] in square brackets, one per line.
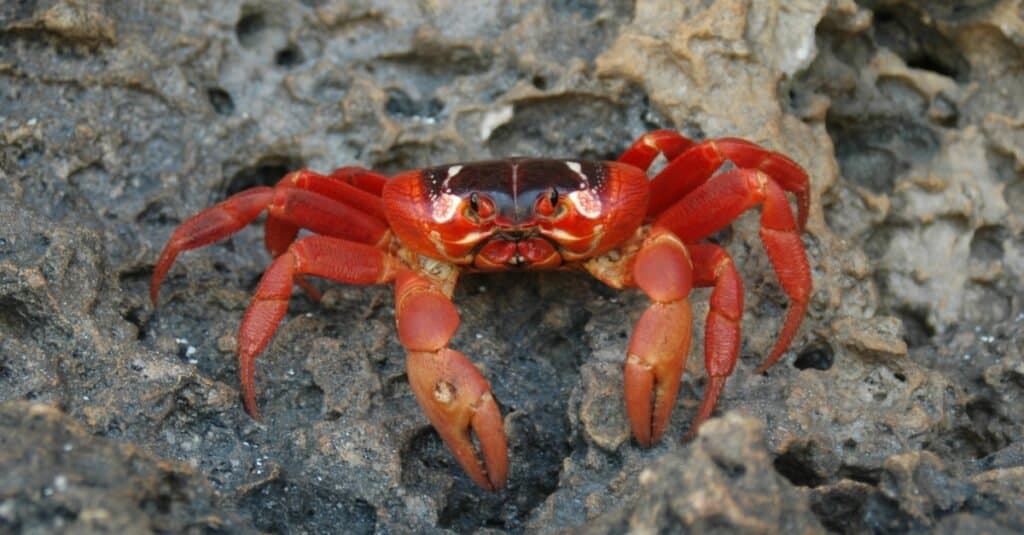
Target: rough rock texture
[723, 482]
[58, 477]
[897, 409]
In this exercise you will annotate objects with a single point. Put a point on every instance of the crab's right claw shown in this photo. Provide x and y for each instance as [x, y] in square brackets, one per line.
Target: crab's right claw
[457, 400]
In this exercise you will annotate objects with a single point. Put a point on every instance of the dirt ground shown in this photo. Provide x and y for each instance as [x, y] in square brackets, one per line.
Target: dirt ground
[899, 408]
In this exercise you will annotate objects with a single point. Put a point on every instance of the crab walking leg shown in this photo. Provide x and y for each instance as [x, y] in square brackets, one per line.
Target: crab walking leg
[336, 186]
[698, 163]
[323, 215]
[452, 393]
[361, 178]
[278, 234]
[712, 266]
[352, 186]
[647, 147]
[293, 206]
[661, 340]
[716, 203]
[344, 185]
[320, 256]
[214, 223]
[782, 242]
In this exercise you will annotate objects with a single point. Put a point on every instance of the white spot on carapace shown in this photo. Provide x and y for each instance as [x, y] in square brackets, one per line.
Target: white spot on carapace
[587, 203]
[452, 172]
[575, 167]
[444, 206]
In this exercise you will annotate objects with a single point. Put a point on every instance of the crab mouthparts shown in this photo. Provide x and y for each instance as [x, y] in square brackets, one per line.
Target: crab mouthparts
[509, 250]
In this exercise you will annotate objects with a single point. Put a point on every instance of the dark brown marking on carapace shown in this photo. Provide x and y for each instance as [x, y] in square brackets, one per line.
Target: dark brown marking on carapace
[514, 184]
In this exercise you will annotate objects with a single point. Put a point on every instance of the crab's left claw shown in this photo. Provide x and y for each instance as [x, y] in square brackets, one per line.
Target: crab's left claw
[457, 400]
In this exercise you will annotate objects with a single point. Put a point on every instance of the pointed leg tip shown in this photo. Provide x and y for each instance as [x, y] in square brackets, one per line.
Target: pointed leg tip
[480, 478]
[794, 317]
[251, 407]
[691, 433]
[768, 363]
[648, 432]
[486, 481]
[154, 286]
[161, 268]
[497, 481]
[777, 352]
[707, 405]
[496, 485]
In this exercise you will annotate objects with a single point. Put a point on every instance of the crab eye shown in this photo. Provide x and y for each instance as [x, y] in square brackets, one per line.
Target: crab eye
[480, 206]
[547, 204]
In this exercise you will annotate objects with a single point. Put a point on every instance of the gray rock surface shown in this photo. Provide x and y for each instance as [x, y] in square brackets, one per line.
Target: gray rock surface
[58, 477]
[897, 409]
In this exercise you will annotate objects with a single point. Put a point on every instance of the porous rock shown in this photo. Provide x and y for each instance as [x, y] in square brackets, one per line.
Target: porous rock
[896, 409]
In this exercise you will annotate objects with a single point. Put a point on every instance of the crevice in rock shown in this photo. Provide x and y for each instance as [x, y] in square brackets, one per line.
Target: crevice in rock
[794, 465]
[267, 171]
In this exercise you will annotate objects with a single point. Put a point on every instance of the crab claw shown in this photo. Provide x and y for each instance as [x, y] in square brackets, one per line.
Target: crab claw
[457, 400]
[654, 368]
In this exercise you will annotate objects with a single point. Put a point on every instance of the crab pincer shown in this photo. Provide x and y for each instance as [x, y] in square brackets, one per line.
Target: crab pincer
[452, 393]
[660, 343]
[457, 400]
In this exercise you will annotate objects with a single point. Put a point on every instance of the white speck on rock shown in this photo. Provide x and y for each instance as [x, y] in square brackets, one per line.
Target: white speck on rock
[493, 119]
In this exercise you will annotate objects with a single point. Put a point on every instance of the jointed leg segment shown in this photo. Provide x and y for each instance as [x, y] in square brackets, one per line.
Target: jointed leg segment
[646, 149]
[713, 267]
[698, 163]
[214, 223]
[320, 256]
[715, 203]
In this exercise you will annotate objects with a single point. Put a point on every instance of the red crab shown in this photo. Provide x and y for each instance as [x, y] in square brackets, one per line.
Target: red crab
[421, 229]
